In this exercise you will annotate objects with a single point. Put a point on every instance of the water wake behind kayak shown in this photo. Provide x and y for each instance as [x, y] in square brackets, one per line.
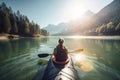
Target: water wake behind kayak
[89, 68]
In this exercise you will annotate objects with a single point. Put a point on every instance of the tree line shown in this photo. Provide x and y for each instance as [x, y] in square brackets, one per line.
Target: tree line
[16, 23]
[109, 29]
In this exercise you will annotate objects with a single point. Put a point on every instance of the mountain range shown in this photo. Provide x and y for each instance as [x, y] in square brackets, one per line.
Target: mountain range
[67, 28]
[105, 22]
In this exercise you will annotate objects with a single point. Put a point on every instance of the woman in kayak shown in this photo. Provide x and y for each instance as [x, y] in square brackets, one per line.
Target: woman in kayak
[60, 52]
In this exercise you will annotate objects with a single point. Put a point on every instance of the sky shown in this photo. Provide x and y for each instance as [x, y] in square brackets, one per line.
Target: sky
[44, 12]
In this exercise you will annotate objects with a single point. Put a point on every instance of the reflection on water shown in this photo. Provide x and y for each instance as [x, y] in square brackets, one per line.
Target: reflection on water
[98, 61]
[18, 58]
[82, 62]
[90, 69]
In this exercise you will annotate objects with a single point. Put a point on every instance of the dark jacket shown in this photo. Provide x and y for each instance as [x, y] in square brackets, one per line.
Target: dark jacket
[61, 53]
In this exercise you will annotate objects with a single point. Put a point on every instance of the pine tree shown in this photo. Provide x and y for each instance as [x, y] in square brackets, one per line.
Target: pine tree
[26, 29]
[118, 29]
[16, 23]
[0, 24]
[14, 28]
[6, 24]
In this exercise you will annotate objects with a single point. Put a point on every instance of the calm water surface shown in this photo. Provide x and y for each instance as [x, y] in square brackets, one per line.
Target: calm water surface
[99, 60]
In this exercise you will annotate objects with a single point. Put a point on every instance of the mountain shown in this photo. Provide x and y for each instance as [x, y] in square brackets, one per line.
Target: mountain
[105, 22]
[54, 29]
[67, 28]
[109, 13]
[87, 14]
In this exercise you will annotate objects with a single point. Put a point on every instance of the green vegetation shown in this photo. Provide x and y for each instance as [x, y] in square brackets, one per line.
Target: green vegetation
[107, 20]
[108, 29]
[16, 23]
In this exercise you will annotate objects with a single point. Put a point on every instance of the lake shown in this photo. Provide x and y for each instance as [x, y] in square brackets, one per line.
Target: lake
[98, 61]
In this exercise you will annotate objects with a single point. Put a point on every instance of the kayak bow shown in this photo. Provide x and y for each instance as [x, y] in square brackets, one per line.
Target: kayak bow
[60, 70]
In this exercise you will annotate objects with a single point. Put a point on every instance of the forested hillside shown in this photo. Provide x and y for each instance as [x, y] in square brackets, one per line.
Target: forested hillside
[107, 20]
[16, 23]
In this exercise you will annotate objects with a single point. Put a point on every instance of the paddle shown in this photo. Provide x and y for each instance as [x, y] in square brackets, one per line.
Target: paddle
[46, 54]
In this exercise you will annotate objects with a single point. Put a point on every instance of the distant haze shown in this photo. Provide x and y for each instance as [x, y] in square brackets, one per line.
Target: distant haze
[104, 22]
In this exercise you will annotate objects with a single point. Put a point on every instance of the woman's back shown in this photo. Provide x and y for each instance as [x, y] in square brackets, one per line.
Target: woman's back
[60, 52]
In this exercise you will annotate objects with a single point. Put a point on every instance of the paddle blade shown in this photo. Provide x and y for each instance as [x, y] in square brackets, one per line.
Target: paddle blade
[43, 55]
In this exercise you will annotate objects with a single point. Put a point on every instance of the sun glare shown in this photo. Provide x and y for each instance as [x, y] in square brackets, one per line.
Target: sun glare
[77, 37]
[75, 11]
[81, 61]
[75, 8]
[79, 57]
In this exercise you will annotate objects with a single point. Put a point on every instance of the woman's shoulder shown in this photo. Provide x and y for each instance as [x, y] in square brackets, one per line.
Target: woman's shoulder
[65, 49]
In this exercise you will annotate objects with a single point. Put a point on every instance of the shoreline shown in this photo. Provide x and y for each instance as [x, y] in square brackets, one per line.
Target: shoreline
[3, 38]
[13, 36]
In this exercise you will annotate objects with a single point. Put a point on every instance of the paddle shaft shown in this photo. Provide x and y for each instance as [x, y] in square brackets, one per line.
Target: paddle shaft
[46, 54]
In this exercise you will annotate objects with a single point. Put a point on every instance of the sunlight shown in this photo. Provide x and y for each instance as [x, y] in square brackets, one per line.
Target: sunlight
[79, 57]
[77, 37]
[85, 66]
[74, 9]
[82, 62]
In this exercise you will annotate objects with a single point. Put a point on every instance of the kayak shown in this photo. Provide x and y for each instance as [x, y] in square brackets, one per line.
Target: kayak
[60, 70]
